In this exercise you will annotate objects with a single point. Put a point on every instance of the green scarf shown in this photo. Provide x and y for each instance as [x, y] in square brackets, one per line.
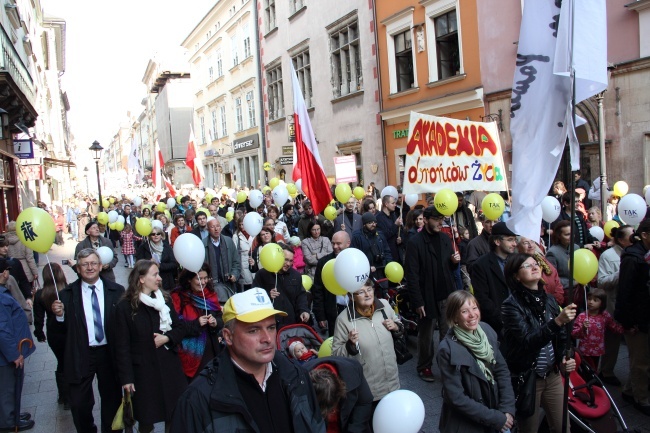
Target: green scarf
[477, 343]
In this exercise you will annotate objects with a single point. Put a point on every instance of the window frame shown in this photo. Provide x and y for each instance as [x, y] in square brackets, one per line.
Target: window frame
[275, 90]
[433, 9]
[395, 25]
[250, 102]
[345, 56]
[303, 71]
[239, 117]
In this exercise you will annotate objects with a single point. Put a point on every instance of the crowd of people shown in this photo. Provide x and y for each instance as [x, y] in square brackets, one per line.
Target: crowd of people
[197, 350]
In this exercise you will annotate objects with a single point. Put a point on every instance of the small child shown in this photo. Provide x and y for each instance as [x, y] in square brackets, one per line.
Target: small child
[590, 327]
[128, 249]
[298, 258]
[298, 351]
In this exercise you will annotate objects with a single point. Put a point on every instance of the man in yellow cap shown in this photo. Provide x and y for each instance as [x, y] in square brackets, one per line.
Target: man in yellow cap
[250, 386]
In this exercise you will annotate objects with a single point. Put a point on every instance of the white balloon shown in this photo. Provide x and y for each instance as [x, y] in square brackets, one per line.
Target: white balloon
[106, 254]
[253, 223]
[280, 195]
[550, 209]
[352, 270]
[389, 190]
[120, 219]
[255, 198]
[171, 202]
[137, 201]
[200, 194]
[299, 185]
[632, 209]
[189, 251]
[157, 224]
[411, 199]
[112, 216]
[407, 404]
[598, 233]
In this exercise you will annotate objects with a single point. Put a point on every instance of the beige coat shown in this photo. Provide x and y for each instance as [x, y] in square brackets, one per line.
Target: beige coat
[19, 251]
[14, 290]
[376, 350]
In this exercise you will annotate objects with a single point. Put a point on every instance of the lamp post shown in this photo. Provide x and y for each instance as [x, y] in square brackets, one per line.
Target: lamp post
[86, 177]
[97, 154]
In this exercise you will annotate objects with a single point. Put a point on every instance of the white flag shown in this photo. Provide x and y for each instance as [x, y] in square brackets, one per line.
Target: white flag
[134, 164]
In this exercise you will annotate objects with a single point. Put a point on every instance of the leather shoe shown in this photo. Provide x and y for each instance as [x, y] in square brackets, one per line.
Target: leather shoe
[22, 426]
[25, 416]
[610, 380]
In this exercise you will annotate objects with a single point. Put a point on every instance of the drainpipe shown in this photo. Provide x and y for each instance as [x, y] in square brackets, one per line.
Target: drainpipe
[381, 99]
[260, 94]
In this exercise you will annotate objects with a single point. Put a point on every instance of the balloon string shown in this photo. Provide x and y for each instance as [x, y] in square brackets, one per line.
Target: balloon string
[453, 238]
[276, 287]
[53, 279]
[205, 303]
[354, 324]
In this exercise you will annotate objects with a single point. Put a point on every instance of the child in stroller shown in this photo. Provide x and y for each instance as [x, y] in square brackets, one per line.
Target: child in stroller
[298, 351]
[300, 340]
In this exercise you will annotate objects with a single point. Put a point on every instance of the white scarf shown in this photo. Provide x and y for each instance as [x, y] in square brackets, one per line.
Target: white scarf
[163, 310]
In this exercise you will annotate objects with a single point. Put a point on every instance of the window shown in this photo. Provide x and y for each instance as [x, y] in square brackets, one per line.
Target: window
[224, 128]
[447, 49]
[302, 65]
[219, 64]
[275, 92]
[270, 15]
[214, 123]
[235, 55]
[250, 102]
[210, 70]
[296, 5]
[202, 123]
[247, 42]
[238, 114]
[346, 59]
[404, 60]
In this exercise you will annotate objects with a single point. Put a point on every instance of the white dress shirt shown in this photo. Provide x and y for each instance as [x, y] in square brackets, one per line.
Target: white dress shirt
[86, 294]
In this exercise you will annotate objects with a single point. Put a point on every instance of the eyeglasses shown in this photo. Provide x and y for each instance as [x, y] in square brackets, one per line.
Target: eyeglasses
[89, 264]
[156, 234]
[527, 244]
[529, 265]
[364, 292]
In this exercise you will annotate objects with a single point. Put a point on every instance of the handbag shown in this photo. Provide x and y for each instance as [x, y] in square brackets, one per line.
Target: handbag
[525, 387]
[400, 345]
[124, 417]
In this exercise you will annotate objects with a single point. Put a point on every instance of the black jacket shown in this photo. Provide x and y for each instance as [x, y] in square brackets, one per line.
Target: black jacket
[355, 410]
[490, 288]
[324, 303]
[373, 245]
[633, 300]
[213, 402]
[168, 265]
[588, 238]
[293, 297]
[390, 230]
[16, 270]
[524, 336]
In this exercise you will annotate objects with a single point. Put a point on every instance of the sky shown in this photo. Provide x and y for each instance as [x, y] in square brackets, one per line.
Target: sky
[108, 46]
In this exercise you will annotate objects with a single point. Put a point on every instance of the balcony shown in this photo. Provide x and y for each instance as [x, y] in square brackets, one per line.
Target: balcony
[17, 91]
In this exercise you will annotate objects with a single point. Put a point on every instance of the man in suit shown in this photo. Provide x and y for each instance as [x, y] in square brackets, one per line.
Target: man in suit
[93, 241]
[348, 220]
[488, 280]
[85, 312]
[201, 229]
[224, 260]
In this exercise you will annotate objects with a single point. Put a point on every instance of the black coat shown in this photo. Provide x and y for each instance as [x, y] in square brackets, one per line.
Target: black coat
[355, 410]
[633, 300]
[372, 244]
[390, 230]
[43, 315]
[420, 269]
[490, 289]
[324, 302]
[293, 297]
[156, 373]
[168, 266]
[76, 328]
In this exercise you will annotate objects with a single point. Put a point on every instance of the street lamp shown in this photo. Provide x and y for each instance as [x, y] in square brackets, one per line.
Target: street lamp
[97, 154]
[86, 177]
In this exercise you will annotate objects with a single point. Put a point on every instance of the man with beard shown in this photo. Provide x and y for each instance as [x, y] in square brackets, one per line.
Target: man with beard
[309, 216]
[373, 244]
[201, 229]
[480, 245]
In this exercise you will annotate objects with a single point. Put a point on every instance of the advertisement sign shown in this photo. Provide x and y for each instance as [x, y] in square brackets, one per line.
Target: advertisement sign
[456, 154]
[31, 172]
[285, 160]
[24, 149]
[246, 143]
[345, 169]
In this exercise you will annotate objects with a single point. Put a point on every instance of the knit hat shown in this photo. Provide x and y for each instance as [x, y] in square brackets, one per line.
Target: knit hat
[292, 348]
[368, 217]
[294, 241]
[431, 212]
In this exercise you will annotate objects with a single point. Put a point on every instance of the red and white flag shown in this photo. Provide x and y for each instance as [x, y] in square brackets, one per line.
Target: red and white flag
[158, 164]
[193, 160]
[170, 187]
[307, 163]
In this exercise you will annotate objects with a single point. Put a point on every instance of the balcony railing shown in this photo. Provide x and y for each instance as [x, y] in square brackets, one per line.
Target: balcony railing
[11, 62]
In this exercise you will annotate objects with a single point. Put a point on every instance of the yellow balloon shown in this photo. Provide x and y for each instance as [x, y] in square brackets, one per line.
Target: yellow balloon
[178, 199]
[209, 197]
[112, 225]
[326, 348]
[229, 215]
[202, 209]
[160, 207]
[119, 226]
[267, 166]
[241, 196]
[394, 272]
[609, 225]
[446, 201]
[292, 189]
[143, 226]
[111, 200]
[493, 206]
[105, 203]
[330, 213]
[35, 229]
[274, 182]
[272, 257]
[585, 266]
[168, 214]
[620, 188]
[266, 189]
[102, 218]
[359, 193]
[343, 192]
[307, 282]
[330, 281]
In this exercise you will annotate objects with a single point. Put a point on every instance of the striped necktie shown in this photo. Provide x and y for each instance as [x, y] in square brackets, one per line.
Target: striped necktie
[97, 315]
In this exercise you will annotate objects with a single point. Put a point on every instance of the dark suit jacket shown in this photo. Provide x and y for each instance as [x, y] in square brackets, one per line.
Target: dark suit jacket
[324, 304]
[490, 289]
[350, 228]
[104, 242]
[74, 324]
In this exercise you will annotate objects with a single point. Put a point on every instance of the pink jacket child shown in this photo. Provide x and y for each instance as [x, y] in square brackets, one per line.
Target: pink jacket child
[592, 337]
[298, 257]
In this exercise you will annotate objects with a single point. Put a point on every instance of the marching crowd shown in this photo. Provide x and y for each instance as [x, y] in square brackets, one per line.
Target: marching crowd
[197, 350]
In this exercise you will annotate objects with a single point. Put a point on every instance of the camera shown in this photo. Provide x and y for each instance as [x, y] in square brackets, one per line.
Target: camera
[65, 262]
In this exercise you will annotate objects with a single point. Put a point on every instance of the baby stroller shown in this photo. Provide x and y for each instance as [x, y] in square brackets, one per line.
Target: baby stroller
[591, 407]
[298, 332]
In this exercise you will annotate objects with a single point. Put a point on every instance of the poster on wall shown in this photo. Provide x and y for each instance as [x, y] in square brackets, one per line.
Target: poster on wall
[449, 153]
[345, 169]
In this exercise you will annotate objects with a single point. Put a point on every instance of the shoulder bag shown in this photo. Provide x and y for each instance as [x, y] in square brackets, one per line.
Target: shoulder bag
[400, 344]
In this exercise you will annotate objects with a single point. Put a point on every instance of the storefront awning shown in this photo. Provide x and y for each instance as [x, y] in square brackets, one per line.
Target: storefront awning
[62, 162]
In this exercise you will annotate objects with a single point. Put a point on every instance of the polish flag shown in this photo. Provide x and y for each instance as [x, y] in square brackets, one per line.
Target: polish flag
[193, 160]
[158, 164]
[170, 187]
[307, 163]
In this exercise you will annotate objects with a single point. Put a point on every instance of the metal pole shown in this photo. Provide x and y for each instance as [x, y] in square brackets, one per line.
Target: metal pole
[604, 194]
[99, 186]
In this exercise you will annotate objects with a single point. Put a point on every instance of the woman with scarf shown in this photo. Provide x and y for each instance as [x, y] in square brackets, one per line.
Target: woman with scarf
[477, 392]
[197, 305]
[148, 333]
[156, 249]
[534, 343]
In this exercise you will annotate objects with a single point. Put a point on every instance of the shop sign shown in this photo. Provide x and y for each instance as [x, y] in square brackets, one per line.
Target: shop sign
[287, 150]
[246, 143]
[31, 172]
[345, 169]
[24, 149]
[285, 160]
[401, 133]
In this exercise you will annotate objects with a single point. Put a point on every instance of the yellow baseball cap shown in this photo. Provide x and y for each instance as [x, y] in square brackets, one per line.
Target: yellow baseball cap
[250, 306]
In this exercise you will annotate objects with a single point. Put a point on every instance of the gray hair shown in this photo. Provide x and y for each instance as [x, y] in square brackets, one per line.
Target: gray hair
[87, 252]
